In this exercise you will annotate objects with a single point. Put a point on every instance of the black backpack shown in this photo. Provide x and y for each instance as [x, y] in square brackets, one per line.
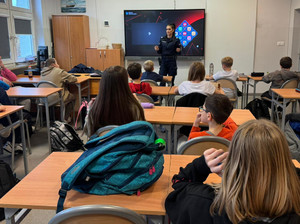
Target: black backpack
[64, 138]
[7, 181]
[259, 109]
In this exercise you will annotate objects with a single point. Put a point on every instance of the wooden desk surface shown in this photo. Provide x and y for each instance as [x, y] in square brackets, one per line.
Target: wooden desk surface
[160, 90]
[26, 80]
[9, 109]
[172, 90]
[239, 79]
[21, 92]
[39, 189]
[255, 78]
[287, 93]
[160, 115]
[187, 115]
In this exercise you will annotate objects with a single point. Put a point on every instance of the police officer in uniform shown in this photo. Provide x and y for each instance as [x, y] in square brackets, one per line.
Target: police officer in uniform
[169, 46]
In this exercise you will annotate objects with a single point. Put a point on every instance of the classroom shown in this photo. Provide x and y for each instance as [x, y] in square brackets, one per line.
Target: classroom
[256, 34]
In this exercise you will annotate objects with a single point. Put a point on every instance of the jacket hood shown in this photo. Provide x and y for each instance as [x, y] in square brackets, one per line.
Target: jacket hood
[46, 70]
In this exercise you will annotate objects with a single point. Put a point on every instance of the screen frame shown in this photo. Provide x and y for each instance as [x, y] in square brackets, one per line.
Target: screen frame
[152, 56]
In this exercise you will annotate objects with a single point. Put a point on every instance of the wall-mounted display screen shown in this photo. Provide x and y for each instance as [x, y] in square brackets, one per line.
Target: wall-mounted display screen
[143, 29]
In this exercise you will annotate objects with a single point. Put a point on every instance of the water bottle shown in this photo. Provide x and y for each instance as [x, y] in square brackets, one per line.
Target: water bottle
[29, 72]
[211, 69]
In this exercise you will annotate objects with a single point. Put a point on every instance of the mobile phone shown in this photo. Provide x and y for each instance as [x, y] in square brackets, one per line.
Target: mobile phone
[298, 90]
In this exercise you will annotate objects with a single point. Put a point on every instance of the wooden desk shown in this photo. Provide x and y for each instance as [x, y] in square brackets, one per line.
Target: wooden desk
[162, 115]
[10, 109]
[27, 81]
[187, 116]
[42, 93]
[286, 94]
[162, 91]
[255, 81]
[39, 190]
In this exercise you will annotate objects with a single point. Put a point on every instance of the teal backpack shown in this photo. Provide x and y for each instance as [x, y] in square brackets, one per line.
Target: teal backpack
[127, 160]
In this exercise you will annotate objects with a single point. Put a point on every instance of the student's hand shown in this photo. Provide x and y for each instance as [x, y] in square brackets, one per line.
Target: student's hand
[178, 49]
[197, 120]
[156, 48]
[1, 63]
[7, 81]
[2, 108]
[215, 159]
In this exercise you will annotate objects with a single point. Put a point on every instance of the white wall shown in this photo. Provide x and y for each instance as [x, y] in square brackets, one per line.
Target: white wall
[246, 30]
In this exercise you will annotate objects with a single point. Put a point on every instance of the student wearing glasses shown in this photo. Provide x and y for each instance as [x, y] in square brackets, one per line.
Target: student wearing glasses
[215, 112]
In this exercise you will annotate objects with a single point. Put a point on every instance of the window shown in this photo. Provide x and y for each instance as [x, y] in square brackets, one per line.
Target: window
[25, 4]
[16, 25]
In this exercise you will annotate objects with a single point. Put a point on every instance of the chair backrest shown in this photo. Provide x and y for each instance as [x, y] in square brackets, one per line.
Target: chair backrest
[92, 214]
[144, 98]
[53, 98]
[290, 84]
[197, 146]
[150, 81]
[191, 100]
[106, 129]
[230, 84]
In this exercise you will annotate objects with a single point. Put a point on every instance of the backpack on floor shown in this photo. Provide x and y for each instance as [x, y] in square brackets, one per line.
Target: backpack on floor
[127, 160]
[64, 138]
[7, 181]
[258, 108]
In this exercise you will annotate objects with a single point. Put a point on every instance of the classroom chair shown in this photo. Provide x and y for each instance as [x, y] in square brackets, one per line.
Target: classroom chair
[230, 84]
[102, 131]
[144, 98]
[289, 84]
[53, 100]
[94, 214]
[197, 146]
[150, 81]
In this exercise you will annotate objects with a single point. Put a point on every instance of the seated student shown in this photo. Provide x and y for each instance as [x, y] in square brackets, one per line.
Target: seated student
[196, 82]
[149, 74]
[136, 86]
[215, 112]
[51, 72]
[226, 73]
[4, 100]
[259, 182]
[116, 105]
[277, 78]
[7, 76]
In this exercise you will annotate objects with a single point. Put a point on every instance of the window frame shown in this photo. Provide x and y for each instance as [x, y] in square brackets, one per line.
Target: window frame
[11, 13]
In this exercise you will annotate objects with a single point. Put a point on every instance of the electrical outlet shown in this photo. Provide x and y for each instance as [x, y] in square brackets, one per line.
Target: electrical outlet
[280, 43]
[106, 23]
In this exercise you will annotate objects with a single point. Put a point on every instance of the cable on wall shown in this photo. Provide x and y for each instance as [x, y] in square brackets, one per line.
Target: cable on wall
[174, 4]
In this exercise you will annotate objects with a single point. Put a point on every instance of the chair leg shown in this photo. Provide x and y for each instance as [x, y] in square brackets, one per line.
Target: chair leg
[73, 104]
[37, 118]
[28, 137]
[13, 149]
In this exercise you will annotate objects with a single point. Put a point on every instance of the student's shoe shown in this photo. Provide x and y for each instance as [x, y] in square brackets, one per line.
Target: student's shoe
[8, 147]
[18, 148]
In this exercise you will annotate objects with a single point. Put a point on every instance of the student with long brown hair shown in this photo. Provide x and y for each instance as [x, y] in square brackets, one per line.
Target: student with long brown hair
[115, 104]
[259, 181]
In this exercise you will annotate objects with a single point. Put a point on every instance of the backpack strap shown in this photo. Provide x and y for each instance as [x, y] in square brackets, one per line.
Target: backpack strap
[83, 104]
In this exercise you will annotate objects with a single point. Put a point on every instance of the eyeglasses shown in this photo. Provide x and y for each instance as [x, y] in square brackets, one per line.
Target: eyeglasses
[202, 109]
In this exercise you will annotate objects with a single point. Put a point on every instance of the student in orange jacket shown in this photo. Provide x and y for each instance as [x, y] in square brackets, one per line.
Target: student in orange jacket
[215, 112]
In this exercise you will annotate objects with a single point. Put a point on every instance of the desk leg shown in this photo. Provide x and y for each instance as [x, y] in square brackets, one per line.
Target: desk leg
[169, 136]
[48, 123]
[175, 134]
[254, 89]
[283, 114]
[24, 143]
[12, 218]
[247, 91]
[243, 91]
[272, 107]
